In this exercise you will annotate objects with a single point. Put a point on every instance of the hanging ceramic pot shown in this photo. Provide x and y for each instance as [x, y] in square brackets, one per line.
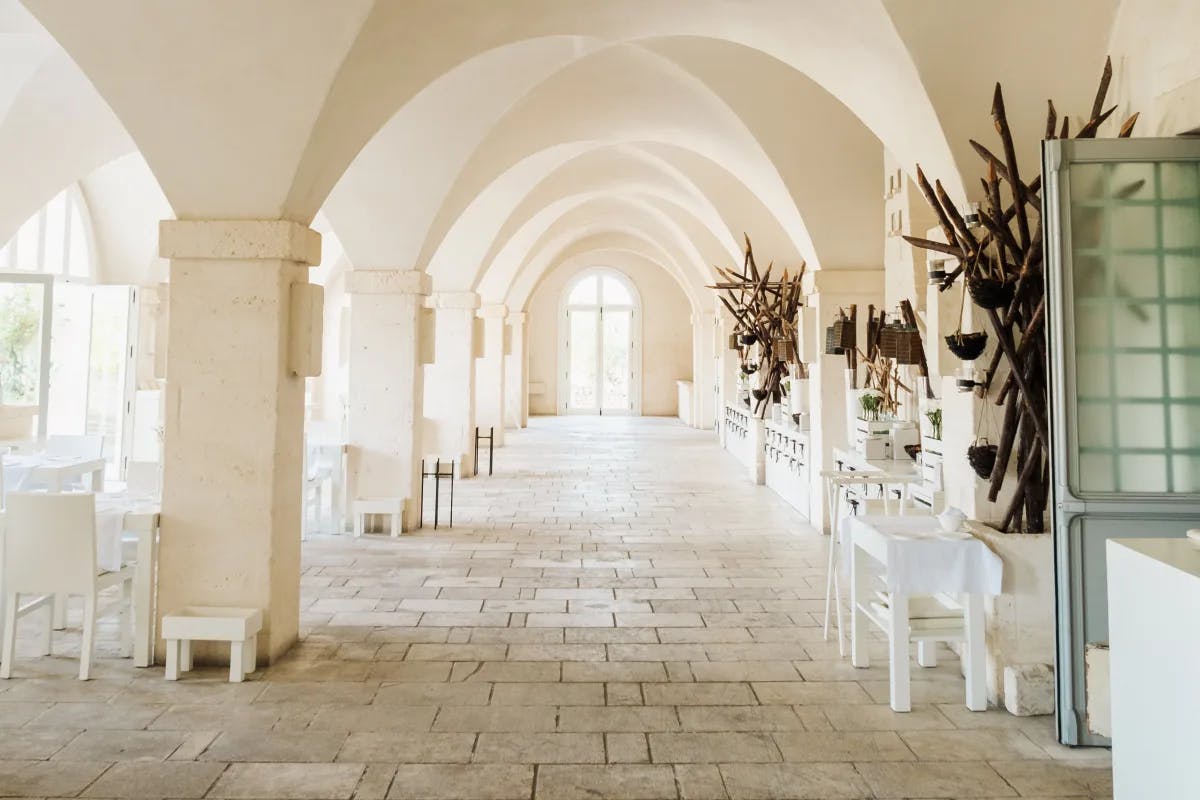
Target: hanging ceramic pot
[967, 346]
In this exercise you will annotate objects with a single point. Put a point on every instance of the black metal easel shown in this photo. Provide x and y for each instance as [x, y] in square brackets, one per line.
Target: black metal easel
[437, 476]
[491, 451]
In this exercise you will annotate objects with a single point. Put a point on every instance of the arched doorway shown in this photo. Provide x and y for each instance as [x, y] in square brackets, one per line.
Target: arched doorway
[600, 354]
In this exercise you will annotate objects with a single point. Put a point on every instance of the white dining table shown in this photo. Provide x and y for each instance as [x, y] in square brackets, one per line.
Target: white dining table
[140, 517]
[919, 560]
[53, 472]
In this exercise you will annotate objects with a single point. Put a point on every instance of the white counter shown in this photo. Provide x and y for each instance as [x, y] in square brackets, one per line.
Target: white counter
[1154, 641]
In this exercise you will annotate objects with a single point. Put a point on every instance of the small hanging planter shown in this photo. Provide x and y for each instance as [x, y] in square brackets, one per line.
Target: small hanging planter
[760, 394]
[748, 339]
[831, 346]
[841, 336]
[967, 346]
[990, 293]
[982, 458]
[784, 348]
[749, 369]
[733, 341]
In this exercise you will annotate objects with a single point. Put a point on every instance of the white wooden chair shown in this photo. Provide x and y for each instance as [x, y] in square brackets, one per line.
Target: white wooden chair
[89, 446]
[50, 549]
[322, 463]
[838, 486]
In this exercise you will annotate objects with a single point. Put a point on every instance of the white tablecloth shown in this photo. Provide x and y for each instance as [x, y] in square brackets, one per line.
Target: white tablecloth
[922, 560]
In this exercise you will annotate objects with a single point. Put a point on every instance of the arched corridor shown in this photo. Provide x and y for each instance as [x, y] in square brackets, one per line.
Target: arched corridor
[611, 616]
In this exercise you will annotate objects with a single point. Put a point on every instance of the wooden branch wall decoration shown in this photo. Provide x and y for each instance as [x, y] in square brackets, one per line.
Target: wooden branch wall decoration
[1000, 259]
[766, 311]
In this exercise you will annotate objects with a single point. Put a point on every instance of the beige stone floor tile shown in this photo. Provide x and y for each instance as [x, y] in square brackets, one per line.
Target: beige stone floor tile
[611, 635]
[699, 782]
[612, 782]
[794, 782]
[712, 748]
[1032, 777]
[288, 781]
[556, 652]
[960, 779]
[413, 748]
[16, 714]
[314, 693]
[48, 778]
[462, 782]
[592, 620]
[107, 716]
[34, 744]
[176, 779]
[100, 745]
[548, 694]
[623, 694]
[656, 652]
[972, 745]
[514, 636]
[372, 718]
[882, 718]
[744, 671]
[490, 619]
[305, 746]
[410, 671]
[375, 781]
[622, 671]
[699, 694]
[739, 718]
[626, 748]
[508, 671]
[434, 694]
[811, 693]
[617, 719]
[540, 748]
[456, 652]
[842, 746]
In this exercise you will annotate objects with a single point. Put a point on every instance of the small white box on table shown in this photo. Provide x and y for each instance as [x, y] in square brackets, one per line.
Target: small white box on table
[238, 626]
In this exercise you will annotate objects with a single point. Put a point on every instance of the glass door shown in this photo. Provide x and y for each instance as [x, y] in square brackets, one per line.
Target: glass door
[615, 359]
[25, 313]
[600, 347]
[1123, 302]
[583, 373]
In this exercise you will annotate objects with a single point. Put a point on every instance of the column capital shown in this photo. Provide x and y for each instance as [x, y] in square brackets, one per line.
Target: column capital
[517, 318]
[388, 281]
[493, 311]
[460, 300]
[238, 240]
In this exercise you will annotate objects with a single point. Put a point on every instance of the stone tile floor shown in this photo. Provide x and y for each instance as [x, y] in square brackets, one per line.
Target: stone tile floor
[617, 614]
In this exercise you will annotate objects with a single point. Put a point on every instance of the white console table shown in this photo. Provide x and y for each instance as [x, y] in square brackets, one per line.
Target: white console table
[1154, 650]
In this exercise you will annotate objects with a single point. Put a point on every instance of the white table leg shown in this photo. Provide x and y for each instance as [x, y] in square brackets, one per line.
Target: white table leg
[927, 653]
[898, 653]
[98, 480]
[60, 611]
[185, 655]
[143, 597]
[974, 667]
[860, 581]
[250, 655]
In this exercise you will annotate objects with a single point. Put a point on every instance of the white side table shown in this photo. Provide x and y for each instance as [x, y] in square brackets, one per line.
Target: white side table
[238, 626]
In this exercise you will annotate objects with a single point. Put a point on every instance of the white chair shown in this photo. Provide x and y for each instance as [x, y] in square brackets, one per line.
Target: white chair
[322, 464]
[50, 549]
[90, 446]
[838, 486]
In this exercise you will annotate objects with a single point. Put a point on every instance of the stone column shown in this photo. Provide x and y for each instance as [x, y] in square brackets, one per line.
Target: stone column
[386, 386]
[234, 423]
[516, 414]
[704, 369]
[827, 291]
[489, 378]
[453, 376]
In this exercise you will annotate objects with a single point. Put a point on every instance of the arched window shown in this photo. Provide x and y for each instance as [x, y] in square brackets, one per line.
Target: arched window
[55, 241]
[601, 345]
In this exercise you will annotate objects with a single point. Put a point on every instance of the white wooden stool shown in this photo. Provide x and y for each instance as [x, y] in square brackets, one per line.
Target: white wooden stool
[392, 506]
[238, 626]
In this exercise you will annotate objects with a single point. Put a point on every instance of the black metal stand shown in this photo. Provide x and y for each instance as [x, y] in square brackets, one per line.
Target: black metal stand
[437, 475]
[491, 451]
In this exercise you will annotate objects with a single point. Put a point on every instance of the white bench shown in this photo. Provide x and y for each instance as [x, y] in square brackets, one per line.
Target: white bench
[238, 626]
[390, 506]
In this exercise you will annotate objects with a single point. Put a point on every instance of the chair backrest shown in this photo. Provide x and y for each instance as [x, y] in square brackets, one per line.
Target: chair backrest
[49, 542]
[142, 477]
[75, 446]
[320, 460]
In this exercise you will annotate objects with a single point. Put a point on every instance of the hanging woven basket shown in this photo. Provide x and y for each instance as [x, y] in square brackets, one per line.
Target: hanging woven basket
[759, 394]
[844, 334]
[733, 341]
[982, 458]
[967, 346]
[748, 339]
[990, 293]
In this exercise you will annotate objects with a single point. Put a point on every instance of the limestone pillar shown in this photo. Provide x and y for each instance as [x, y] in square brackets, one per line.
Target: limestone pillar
[453, 377]
[516, 412]
[489, 375]
[386, 386]
[826, 291]
[234, 422]
[704, 369]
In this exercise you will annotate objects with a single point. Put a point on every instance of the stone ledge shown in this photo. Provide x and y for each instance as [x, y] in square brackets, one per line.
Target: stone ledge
[468, 301]
[388, 281]
[494, 311]
[239, 240]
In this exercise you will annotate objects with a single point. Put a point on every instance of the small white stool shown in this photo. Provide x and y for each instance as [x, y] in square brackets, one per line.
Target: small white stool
[238, 626]
[392, 506]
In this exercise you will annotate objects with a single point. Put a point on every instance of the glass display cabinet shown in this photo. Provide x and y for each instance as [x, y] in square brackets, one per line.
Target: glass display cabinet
[1122, 234]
